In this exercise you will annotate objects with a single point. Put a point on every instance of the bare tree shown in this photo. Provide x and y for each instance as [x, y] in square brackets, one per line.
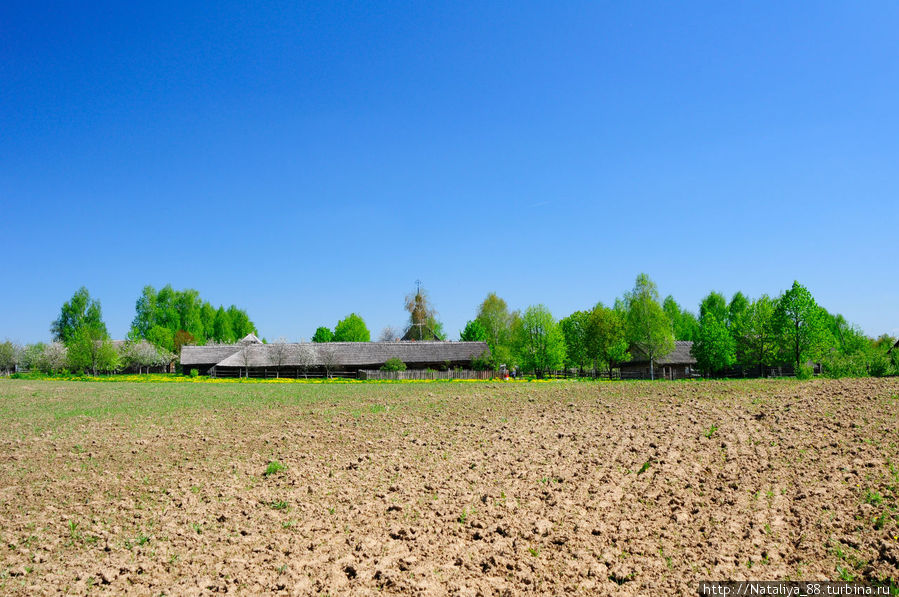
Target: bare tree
[389, 334]
[279, 351]
[245, 359]
[328, 358]
[305, 358]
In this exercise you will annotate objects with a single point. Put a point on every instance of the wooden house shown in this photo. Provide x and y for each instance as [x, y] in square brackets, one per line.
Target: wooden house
[678, 364]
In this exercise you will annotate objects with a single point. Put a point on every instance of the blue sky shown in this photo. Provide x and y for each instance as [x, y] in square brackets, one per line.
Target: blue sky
[304, 162]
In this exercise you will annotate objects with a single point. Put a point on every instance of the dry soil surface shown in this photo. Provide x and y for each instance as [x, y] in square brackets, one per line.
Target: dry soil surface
[481, 488]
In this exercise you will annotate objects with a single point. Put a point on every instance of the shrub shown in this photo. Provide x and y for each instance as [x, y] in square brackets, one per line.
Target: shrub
[483, 362]
[879, 366]
[194, 373]
[804, 372]
[394, 364]
[838, 365]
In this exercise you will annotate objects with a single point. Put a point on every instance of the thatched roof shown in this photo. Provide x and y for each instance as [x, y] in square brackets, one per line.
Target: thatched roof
[351, 354]
[681, 355]
[250, 339]
[207, 355]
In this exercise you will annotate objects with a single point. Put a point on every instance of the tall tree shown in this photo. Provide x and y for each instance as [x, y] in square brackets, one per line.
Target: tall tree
[539, 341]
[714, 303]
[81, 310]
[756, 339]
[223, 331]
[736, 309]
[240, 321]
[184, 310]
[323, 334]
[649, 329]
[493, 314]
[607, 337]
[683, 323]
[474, 332]
[574, 330]
[801, 324]
[91, 349]
[714, 350]
[351, 329]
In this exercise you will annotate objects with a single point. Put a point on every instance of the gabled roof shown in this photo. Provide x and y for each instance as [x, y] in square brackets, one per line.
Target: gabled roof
[354, 354]
[250, 339]
[681, 355]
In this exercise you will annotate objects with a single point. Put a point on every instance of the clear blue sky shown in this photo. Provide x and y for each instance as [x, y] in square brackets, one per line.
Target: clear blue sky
[306, 162]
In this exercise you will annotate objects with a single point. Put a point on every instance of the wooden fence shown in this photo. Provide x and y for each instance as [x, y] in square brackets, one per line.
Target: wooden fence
[425, 374]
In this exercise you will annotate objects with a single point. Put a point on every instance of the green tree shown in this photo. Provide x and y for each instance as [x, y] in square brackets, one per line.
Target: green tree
[607, 337]
[539, 341]
[756, 337]
[240, 322]
[177, 310]
[474, 332]
[715, 349]
[714, 303]
[91, 349]
[493, 314]
[144, 313]
[683, 323]
[9, 357]
[801, 325]
[161, 337]
[849, 338]
[223, 331]
[351, 329]
[736, 310]
[648, 328]
[81, 310]
[323, 334]
[574, 330]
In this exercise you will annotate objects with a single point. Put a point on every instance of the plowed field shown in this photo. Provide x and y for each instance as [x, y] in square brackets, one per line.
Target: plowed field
[482, 488]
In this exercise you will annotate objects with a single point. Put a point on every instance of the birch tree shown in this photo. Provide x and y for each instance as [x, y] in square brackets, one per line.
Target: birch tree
[649, 329]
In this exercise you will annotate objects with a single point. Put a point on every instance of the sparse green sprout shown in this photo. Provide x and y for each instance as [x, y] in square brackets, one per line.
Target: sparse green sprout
[273, 467]
[845, 574]
[534, 551]
[645, 467]
[710, 431]
[279, 505]
[873, 497]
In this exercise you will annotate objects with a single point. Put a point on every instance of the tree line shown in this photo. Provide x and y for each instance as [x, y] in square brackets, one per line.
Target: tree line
[164, 321]
[737, 335]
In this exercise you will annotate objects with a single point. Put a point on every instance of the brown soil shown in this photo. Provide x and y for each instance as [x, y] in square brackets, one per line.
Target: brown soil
[487, 488]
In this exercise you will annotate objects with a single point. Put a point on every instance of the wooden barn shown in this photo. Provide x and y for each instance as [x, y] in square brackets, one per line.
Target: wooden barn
[343, 359]
[678, 364]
